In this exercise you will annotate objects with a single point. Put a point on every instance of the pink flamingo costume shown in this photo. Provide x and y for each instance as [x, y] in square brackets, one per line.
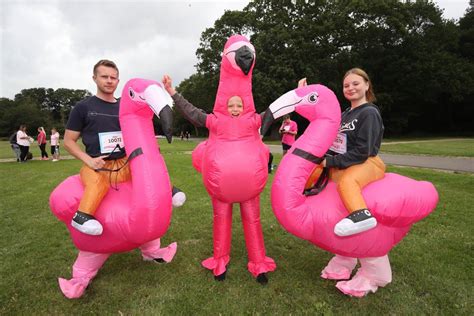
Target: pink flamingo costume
[139, 212]
[233, 161]
[396, 201]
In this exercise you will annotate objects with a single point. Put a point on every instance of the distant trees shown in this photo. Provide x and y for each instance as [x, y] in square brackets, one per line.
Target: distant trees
[421, 64]
[38, 107]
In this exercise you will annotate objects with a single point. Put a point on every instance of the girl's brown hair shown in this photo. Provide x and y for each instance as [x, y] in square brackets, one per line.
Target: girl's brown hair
[370, 92]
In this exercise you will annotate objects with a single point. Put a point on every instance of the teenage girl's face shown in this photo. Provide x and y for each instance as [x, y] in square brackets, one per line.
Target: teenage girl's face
[355, 88]
[235, 106]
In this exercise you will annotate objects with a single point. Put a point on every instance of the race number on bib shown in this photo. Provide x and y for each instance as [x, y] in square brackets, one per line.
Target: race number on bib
[340, 144]
[109, 141]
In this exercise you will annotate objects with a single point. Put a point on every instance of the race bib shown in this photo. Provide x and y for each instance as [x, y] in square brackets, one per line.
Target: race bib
[109, 141]
[340, 144]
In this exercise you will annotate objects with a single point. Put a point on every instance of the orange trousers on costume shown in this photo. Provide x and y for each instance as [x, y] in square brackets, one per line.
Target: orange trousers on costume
[352, 180]
[97, 183]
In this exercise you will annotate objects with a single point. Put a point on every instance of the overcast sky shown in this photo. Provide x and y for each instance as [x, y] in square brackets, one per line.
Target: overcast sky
[54, 44]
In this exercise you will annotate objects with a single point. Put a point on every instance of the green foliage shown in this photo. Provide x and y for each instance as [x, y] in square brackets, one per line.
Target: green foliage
[420, 64]
[37, 107]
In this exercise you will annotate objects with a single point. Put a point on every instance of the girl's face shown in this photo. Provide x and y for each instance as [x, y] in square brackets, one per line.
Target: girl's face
[355, 88]
[235, 106]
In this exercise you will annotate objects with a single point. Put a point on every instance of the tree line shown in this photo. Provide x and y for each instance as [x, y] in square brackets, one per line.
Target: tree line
[421, 64]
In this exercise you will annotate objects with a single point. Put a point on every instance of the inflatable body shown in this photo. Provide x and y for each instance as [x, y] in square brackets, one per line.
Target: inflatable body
[396, 201]
[138, 213]
[233, 161]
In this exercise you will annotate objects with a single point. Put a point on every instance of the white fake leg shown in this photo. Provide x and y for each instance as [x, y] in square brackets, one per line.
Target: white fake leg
[339, 268]
[373, 273]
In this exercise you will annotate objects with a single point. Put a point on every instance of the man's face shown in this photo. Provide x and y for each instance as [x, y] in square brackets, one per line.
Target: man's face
[106, 79]
[235, 106]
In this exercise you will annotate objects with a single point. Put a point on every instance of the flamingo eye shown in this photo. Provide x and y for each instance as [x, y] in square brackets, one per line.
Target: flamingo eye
[313, 98]
[131, 93]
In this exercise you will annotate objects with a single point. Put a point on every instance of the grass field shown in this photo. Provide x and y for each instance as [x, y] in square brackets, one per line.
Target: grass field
[432, 266]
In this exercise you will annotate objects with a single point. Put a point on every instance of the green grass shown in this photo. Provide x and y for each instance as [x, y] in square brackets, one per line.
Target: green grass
[432, 266]
[455, 148]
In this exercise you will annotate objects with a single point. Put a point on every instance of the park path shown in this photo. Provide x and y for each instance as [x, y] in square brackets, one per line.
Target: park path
[460, 164]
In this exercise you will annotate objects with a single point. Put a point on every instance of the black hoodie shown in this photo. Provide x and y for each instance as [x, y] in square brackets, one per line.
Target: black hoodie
[359, 137]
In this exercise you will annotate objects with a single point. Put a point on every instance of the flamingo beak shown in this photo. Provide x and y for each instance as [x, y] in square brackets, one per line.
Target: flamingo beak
[160, 103]
[244, 58]
[281, 106]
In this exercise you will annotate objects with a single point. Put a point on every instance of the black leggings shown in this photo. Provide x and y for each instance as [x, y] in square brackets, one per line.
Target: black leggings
[44, 154]
[24, 151]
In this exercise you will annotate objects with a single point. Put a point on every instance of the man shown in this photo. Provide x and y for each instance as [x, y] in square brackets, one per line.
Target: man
[96, 119]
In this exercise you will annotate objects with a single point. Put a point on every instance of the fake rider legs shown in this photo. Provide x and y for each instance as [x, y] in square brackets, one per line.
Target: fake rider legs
[258, 263]
[96, 185]
[350, 182]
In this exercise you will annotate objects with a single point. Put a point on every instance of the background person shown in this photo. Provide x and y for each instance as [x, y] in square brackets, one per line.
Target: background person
[42, 143]
[288, 130]
[23, 141]
[55, 144]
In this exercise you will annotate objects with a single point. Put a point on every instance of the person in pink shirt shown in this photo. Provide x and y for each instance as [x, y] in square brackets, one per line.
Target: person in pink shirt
[42, 143]
[288, 130]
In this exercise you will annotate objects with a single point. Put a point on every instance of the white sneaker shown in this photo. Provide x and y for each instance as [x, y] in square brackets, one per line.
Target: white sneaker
[356, 222]
[86, 224]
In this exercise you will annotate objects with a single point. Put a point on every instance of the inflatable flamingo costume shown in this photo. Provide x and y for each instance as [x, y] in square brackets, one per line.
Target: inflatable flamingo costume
[234, 162]
[139, 212]
[396, 201]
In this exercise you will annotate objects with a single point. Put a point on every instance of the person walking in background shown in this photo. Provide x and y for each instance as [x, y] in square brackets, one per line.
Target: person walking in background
[23, 140]
[15, 147]
[288, 130]
[55, 144]
[42, 143]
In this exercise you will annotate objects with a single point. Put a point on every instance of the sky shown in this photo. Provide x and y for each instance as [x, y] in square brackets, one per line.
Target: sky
[54, 44]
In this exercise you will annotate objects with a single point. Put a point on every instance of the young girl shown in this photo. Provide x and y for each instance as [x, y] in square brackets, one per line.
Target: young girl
[233, 161]
[55, 144]
[353, 159]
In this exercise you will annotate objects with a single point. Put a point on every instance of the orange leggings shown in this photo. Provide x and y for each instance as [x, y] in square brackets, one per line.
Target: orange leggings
[97, 183]
[352, 180]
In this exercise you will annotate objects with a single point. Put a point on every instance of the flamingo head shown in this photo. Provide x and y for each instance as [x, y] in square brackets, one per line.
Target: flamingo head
[142, 97]
[238, 56]
[312, 102]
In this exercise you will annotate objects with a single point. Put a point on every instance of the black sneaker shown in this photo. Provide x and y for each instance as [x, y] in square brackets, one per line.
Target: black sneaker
[356, 222]
[86, 224]
[262, 278]
[220, 277]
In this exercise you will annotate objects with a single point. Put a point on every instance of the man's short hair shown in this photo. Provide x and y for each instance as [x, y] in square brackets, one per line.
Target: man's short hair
[106, 63]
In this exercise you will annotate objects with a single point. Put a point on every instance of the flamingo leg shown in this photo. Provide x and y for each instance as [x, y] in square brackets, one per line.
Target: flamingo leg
[339, 268]
[83, 271]
[258, 261]
[152, 250]
[373, 273]
[222, 232]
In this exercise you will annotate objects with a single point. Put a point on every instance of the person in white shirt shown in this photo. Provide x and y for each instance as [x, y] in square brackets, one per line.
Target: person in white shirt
[23, 140]
[55, 144]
